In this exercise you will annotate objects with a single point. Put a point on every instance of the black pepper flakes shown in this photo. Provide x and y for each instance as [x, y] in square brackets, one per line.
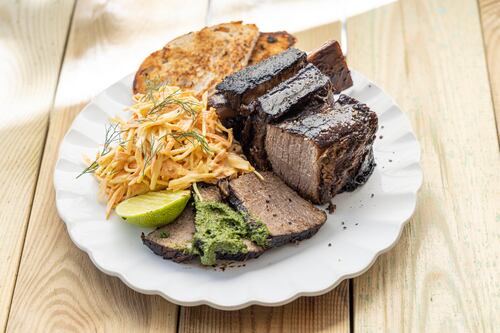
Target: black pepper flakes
[329, 244]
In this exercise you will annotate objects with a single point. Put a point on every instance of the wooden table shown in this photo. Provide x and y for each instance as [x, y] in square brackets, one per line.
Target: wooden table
[438, 59]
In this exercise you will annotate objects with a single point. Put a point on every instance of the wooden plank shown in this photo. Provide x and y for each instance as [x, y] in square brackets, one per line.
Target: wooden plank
[443, 275]
[58, 288]
[31, 49]
[490, 20]
[311, 39]
[328, 313]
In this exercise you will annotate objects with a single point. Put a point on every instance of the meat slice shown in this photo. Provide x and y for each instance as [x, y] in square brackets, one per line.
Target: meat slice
[321, 151]
[330, 60]
[308, 88]
[251, 82]
[287, 216]
[175, 240]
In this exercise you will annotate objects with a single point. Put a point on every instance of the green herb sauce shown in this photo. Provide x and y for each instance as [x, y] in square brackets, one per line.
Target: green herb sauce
[221, 229]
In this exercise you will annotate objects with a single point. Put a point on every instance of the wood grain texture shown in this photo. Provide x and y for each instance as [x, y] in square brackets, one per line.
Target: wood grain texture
[442, 276]
[490, 20]
[58, 288]
[311, 39]
[327, 313]
[31, 49]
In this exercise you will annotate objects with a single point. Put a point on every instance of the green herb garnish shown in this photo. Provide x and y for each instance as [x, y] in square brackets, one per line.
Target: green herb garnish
[113, 134]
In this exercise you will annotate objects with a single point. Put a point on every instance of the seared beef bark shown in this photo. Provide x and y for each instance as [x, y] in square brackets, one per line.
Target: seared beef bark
[320, 152]
[308, 88]
[330, 60]
[251, 82]
[287, 216]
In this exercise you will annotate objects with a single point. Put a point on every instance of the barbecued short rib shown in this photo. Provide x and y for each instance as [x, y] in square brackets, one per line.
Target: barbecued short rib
[174, 240]
[308, 88]
[288, 217]
[330, 60]
[320, 152]
[251, 82]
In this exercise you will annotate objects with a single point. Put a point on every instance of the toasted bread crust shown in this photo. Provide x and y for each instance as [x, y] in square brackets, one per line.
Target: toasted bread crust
[199, 60]
[271, 43]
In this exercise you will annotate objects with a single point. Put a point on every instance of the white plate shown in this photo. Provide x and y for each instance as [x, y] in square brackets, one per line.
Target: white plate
[366, 223]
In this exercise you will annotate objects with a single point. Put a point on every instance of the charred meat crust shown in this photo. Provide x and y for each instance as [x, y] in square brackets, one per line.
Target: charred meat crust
[308, 88]
[363, 174]
[330, 60]
[251, 82]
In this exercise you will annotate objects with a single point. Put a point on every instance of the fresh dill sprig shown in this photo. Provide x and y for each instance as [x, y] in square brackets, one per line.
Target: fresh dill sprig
[90, 169]
[153, 85]
[154, 147]
[186, 106]
[192, 137]
[113, 134]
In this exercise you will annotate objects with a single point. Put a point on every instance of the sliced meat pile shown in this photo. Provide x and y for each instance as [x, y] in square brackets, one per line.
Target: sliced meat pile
[284, 115]
[287, 216]
[283, 111]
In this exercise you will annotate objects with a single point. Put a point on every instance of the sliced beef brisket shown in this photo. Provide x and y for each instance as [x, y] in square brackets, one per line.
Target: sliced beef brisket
[174, 241]
[287, 216]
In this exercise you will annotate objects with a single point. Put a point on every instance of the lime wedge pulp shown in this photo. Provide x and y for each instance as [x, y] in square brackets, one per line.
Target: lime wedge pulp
[153, 209]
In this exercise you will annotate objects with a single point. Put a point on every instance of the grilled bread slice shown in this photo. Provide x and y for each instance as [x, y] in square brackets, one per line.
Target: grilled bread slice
[271, 43]
[199, 60]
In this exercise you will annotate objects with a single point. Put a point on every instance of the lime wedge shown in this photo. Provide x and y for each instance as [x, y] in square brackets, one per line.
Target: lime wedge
[153, 209]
